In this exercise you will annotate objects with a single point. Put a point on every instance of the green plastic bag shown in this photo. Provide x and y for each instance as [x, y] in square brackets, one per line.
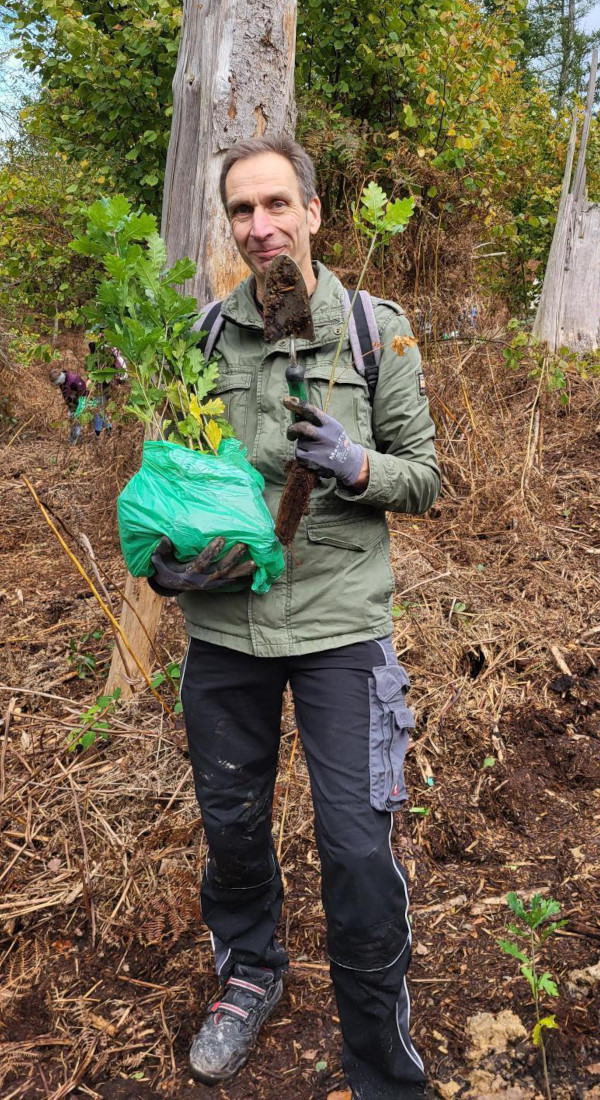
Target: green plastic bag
[192, 498]
[83, 404]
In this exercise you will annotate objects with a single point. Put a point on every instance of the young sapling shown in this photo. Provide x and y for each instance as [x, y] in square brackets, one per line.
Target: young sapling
[379, 219]
[535, 926]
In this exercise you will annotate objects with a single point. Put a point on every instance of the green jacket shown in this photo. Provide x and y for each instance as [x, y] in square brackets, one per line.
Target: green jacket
[338, 583]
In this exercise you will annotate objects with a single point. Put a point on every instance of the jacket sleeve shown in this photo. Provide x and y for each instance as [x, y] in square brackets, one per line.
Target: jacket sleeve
[403, 471]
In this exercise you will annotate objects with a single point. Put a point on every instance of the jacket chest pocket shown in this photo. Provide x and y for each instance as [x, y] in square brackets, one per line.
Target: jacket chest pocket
[349, 398]
[234, 387]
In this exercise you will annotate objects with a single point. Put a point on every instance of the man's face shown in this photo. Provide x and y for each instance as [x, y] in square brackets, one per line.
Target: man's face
[267, 214]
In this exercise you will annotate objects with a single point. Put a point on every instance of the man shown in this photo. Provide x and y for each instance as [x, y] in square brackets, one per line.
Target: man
[324, 628]
[72, 387]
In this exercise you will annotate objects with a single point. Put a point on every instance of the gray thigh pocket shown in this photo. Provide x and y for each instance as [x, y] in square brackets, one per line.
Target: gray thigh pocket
[391, 720]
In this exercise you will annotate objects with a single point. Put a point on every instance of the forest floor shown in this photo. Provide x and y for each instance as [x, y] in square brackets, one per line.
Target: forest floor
[105, 962]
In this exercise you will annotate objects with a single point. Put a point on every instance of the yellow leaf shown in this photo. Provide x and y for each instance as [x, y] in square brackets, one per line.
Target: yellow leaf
[195, 409]
[536, 1034]
[431, 98]
[213, 407]
[214, 434]
[394, 136]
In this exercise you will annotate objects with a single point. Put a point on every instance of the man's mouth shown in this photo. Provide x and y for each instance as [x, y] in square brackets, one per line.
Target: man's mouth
[268, 253]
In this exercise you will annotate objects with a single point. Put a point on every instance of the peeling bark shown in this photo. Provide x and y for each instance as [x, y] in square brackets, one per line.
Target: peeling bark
[234, 79]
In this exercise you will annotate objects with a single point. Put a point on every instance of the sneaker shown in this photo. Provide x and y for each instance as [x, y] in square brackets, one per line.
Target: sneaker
[230, 1030]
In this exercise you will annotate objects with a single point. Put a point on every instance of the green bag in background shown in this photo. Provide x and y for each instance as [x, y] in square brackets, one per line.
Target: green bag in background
[192, 498]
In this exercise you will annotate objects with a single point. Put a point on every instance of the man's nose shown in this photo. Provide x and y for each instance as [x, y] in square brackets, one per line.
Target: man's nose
[262, 225]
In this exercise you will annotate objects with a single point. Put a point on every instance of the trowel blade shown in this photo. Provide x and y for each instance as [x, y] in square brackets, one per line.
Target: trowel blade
[286, 305]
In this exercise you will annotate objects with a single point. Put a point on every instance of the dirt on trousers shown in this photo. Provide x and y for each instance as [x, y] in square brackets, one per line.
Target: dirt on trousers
[105, 962]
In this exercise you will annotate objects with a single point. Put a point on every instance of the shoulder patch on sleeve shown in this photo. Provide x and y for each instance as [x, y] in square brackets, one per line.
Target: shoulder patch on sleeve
[421, 384]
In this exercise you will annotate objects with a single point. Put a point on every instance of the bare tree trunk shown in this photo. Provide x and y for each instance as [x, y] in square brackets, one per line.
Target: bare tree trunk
[234, 79]
[569, 309]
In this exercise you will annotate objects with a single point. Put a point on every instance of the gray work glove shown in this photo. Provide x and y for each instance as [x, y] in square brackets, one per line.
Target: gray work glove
[203, 573]
[322, 443]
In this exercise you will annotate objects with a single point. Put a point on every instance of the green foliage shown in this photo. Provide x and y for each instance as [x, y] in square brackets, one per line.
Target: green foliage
[140, 311]
[94, 722]
[443, 101]
[377, 217]
[550, 370]
[106, 72]
[424, 70]
[40, 277]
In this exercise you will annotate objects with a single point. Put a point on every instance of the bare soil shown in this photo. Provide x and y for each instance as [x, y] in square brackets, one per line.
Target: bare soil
[105, 961]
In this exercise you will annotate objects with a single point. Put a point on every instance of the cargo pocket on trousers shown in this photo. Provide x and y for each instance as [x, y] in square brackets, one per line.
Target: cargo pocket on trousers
[391, 721]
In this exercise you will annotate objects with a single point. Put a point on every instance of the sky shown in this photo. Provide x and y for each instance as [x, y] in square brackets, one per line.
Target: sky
[592, 22]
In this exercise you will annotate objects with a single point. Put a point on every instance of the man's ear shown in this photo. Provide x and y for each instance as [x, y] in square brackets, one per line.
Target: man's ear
[314, 215]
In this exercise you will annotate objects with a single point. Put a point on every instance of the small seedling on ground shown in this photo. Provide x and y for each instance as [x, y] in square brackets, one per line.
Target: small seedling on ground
[405, 607]
[534, 928]
[84, 663]
[94, 722]
[172, 672]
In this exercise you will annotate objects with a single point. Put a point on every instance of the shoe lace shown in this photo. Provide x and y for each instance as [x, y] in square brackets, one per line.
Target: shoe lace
[237, 990]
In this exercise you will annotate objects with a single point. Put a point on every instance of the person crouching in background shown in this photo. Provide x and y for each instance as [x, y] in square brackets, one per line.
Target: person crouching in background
[72, 387]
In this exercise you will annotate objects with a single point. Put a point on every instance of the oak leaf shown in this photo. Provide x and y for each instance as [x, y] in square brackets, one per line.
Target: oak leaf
[401, 343]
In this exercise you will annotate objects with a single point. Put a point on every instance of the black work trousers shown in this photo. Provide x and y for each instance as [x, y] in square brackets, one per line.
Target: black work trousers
[352, 719]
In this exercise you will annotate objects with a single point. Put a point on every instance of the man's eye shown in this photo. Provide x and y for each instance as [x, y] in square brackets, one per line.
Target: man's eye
[279, 204]
[241, 211]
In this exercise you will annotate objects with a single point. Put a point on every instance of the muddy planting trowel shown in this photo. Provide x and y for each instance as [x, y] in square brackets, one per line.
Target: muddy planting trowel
[287, 314]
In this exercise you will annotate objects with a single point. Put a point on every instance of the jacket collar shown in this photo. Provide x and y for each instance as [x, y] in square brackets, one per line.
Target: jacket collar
[326, 305]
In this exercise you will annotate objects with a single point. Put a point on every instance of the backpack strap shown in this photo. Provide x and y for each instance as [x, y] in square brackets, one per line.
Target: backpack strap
[210, 322]
[363, 334]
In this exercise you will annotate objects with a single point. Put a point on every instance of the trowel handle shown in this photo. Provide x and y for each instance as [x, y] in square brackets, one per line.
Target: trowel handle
[295, 376]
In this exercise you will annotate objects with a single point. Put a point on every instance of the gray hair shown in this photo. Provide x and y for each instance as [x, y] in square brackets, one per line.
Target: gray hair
[278, 143]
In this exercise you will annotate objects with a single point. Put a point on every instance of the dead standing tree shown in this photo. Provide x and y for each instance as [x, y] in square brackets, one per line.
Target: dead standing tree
[568, 314]
[234, 79]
